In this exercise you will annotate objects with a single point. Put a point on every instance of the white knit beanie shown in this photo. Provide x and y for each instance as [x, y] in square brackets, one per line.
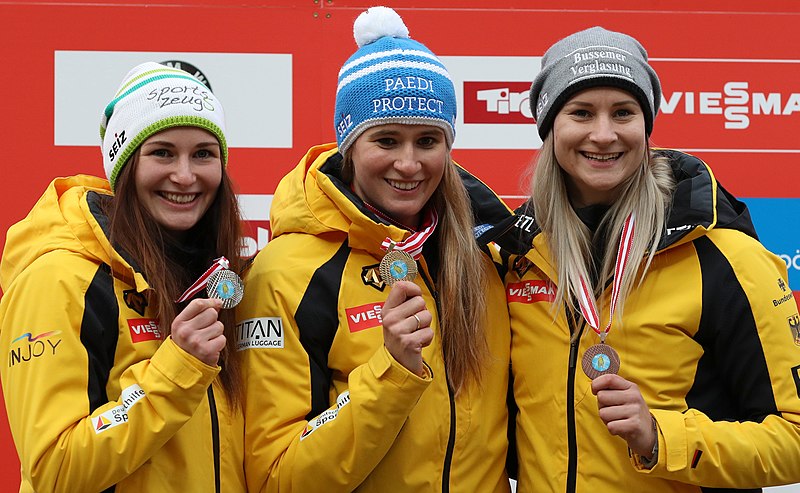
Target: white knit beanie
[152, 98]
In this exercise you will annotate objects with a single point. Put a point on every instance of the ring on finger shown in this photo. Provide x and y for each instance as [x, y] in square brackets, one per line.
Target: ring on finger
[419, 322]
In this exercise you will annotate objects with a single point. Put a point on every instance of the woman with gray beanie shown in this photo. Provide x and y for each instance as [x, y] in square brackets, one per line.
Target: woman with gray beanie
[655, 342]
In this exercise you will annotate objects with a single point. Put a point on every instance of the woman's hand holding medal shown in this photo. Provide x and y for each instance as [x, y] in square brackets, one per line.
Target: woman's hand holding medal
[624, 412]
[406, 325]
[197, 331]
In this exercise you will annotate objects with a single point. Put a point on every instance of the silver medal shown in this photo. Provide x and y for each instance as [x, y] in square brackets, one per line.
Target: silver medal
[227, 286]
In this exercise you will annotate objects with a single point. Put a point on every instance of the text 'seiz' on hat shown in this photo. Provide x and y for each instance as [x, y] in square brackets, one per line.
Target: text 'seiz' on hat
[391, 79]
[591, 58]
[152, 98]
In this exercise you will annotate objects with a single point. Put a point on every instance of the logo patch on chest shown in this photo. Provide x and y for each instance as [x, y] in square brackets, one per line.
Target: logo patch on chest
[135, 300]
[530, 292]
[144, 329]
[364, 317]
[371, 276]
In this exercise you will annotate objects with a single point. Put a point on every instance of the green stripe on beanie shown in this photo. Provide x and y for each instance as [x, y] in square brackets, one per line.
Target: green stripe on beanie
[110, 108]
[171, 122]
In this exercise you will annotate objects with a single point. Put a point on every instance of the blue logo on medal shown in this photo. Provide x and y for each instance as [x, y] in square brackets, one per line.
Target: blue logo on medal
[225, 289]
[601, 362]
[397, 265]
[600, 359]
[399, 269]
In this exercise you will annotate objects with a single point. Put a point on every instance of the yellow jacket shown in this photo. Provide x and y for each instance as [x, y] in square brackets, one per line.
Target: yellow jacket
[95, 397]
[710, 337]
[328, 409]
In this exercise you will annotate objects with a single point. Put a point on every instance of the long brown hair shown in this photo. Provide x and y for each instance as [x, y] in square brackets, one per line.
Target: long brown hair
[133, 230]
[461, 279]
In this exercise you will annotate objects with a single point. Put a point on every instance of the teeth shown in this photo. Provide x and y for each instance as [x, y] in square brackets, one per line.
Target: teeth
[404, 185]
[602, 157]
[180, 198]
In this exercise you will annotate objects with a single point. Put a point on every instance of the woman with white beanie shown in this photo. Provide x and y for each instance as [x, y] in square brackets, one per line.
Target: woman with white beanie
[118, 377]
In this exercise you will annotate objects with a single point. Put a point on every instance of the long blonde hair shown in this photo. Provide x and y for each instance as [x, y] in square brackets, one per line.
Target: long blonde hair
[647, 193]
[461, 279]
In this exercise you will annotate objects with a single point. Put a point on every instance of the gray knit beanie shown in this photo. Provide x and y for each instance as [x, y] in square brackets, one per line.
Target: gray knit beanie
[591, 58]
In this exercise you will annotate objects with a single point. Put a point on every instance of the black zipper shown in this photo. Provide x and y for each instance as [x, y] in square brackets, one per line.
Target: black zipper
[212, 405]
[451, 439]
[573, 318]
[572, 442]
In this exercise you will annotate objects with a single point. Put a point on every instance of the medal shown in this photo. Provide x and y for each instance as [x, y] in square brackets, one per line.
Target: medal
[601, 359]
[397, 265]
[220, 282]
[227, 286]
[399, 262]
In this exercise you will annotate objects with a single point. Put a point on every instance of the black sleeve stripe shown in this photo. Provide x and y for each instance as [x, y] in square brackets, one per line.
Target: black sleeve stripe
[100, 333]
[732, 379]
[318, 320]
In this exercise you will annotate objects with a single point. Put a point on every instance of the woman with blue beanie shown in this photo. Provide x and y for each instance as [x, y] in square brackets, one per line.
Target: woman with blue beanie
[374, 330]
[118, 377]
[659, 351]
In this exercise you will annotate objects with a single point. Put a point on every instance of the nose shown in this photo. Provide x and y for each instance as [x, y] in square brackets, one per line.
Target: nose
[407, 161]
[182, 172]
[603, 131]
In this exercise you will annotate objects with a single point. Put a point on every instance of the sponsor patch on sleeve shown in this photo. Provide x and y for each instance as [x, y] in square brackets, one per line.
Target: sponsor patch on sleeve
[263, 332]
[327, 416]
[118, 415]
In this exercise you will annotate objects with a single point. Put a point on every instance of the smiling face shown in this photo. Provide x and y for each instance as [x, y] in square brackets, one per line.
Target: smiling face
[177, 176]
[398, 167]
[600, 142]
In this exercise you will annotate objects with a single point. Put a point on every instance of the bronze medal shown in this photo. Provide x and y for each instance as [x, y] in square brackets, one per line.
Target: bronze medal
[227, 286]
[600, 359]
[397, 265]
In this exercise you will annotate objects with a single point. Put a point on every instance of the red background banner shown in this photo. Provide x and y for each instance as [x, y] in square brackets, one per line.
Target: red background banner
[697, 47]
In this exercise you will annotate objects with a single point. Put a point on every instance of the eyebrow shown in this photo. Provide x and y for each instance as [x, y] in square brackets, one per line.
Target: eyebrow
[578, 102]
[392, 132]
[167, 143]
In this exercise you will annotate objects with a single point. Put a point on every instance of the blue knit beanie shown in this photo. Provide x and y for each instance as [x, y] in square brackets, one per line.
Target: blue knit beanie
[391, 79]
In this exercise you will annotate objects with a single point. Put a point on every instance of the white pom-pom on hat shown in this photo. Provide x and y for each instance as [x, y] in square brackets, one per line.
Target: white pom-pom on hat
[377, 22]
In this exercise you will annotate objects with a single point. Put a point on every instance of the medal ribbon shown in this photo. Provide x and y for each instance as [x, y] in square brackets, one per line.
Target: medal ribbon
[586, 298]
[200, 284]
[414, 243]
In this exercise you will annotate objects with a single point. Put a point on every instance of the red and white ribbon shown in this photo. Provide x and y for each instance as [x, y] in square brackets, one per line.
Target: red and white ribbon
[586, 297]
[200, 284]
[414, 243]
